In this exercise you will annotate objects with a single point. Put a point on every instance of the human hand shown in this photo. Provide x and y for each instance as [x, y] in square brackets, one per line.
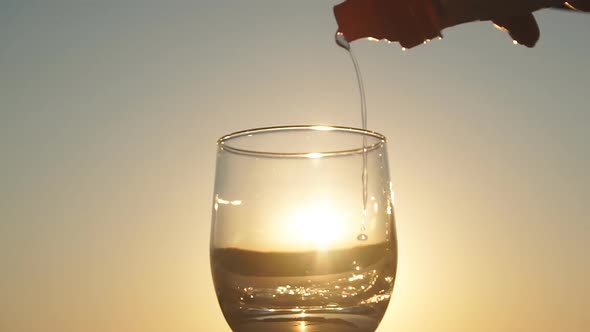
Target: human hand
[514, 16]
[411, 22]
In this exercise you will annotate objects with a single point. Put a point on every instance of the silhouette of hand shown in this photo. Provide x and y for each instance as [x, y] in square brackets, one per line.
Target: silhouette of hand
[411, 22]
[514, 16]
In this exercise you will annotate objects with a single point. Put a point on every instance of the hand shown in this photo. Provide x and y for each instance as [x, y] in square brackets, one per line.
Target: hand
[411, 22]
[514, 16]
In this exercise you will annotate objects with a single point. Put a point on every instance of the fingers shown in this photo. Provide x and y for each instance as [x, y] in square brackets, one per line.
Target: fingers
[522, 28]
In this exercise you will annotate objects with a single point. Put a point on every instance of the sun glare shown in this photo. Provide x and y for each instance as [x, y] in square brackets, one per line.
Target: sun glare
[319, 226]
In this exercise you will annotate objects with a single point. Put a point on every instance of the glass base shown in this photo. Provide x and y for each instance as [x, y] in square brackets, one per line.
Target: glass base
[344, 320]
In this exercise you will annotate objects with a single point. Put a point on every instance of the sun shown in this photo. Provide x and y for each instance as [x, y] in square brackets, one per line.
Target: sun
[318, 226]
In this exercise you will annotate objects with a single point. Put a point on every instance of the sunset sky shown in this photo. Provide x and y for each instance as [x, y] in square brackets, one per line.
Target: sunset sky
[109, 114]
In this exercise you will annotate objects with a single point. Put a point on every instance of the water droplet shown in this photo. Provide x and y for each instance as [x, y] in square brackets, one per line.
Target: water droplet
[362, 237]
[341, 41]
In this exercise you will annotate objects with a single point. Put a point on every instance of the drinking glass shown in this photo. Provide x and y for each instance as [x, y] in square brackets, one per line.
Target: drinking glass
[303, 235]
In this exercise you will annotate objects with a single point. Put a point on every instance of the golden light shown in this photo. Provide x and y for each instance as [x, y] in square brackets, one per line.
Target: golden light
[569, 5]
[302, 326]
[322, 128]
[219, 200]
[313, 155]
[318, 225]
[499, 27]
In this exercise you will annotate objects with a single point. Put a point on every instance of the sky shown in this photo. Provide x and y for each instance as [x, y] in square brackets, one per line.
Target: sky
[109, 114]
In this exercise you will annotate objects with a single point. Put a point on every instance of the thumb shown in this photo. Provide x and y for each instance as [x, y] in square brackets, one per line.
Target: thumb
[522, 28]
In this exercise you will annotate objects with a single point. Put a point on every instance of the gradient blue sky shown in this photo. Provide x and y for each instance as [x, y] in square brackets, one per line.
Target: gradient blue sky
[109, 113]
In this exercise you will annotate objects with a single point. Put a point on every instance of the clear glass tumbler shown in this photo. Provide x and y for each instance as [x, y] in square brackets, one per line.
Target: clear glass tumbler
[303, 235]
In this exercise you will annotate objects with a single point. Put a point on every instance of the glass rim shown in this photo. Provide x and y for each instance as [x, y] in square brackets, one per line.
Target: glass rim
[222, 141]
